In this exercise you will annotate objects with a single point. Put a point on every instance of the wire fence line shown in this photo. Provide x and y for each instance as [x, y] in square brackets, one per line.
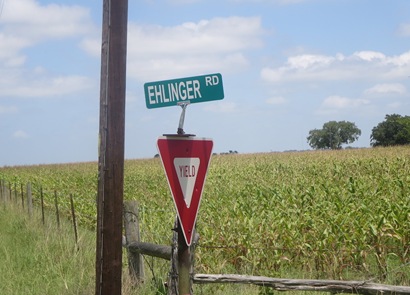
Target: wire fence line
[66, 206]
[23, 196]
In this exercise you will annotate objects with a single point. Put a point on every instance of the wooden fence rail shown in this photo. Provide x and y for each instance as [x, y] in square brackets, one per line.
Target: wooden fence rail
[332, 286]
[159, 251]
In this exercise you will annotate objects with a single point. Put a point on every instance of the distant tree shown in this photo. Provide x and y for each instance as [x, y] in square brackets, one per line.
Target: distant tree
[333, 135]
[395, 130]
[231, 152]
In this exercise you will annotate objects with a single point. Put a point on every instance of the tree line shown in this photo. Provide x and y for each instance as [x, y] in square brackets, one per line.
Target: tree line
[394, 130]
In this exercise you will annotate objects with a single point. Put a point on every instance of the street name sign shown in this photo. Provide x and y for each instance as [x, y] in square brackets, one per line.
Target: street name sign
[185, 161]
[185, 90]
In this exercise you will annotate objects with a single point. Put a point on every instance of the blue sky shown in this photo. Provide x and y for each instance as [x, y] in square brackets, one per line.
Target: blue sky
[288, 66]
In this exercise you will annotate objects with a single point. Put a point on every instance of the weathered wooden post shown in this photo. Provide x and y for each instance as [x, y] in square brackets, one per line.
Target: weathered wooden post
[184, 265]
[1, 190]
[56, 206]
[173, 273]
[29, 200]
[42, 205]
[10, 192]
[111, 148]
[181, 274]
[132, 234]
[22, 195]
[15, 193]
[74, 220]
[6, 192]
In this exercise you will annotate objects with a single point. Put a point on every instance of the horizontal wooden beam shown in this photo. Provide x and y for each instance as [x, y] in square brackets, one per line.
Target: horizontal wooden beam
[160, 251]
[333, 286]
[155, 250]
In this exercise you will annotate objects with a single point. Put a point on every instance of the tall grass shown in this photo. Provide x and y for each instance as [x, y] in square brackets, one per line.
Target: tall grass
[43, 259]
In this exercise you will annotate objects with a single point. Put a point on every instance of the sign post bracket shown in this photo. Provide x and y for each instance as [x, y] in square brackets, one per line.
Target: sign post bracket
[180, 130]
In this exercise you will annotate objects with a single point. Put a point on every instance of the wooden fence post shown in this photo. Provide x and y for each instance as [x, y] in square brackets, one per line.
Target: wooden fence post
[74, 220]
[173, 273]
[22, 195]
[192, 258]
[15, 193]
[132, 234]
[42, 205]
[7, 191]
[2, 191]
[182, 263]
[29, 200]
[56, 206]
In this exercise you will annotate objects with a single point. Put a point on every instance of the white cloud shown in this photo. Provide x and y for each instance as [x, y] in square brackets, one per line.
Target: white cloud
[207, 36]
[91, 46]
[387, 88]
[183, 2]
[340, 102]
[20, 134]
[158, 52]
[404, 30]
[309, 61]
[131, 96]
[359, 65]
[9, 49]
[8, 109]
[35, 22]
[26, 23]
[222, 107]
[395, 105]
[282, 2]
[276, 100]
[334, 104]
[43, 86]
[369, 55]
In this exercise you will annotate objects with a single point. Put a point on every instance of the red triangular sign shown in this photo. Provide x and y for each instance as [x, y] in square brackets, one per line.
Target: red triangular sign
[185, 161]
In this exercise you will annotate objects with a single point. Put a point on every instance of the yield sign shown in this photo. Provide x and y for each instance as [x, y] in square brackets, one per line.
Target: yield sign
[185, 161]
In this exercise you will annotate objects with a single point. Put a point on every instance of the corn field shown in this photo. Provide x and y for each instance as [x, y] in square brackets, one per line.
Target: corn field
[328, 214]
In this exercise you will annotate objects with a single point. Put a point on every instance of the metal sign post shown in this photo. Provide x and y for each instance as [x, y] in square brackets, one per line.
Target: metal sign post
[180, 130]
[185, 159]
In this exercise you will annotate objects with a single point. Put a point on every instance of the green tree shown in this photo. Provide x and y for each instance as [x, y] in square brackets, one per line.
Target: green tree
[333, 135]
[395, 130]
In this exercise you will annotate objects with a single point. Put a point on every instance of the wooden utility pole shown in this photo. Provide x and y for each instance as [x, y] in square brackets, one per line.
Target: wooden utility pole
[111, 148]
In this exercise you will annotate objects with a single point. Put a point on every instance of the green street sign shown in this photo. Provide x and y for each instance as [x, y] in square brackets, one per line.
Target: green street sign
[186, 90]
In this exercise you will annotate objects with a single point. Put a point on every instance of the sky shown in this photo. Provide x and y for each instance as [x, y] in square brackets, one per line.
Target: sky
[288, 67]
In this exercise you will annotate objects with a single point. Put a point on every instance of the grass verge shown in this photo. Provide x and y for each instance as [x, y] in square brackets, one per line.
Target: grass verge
[43, 259]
